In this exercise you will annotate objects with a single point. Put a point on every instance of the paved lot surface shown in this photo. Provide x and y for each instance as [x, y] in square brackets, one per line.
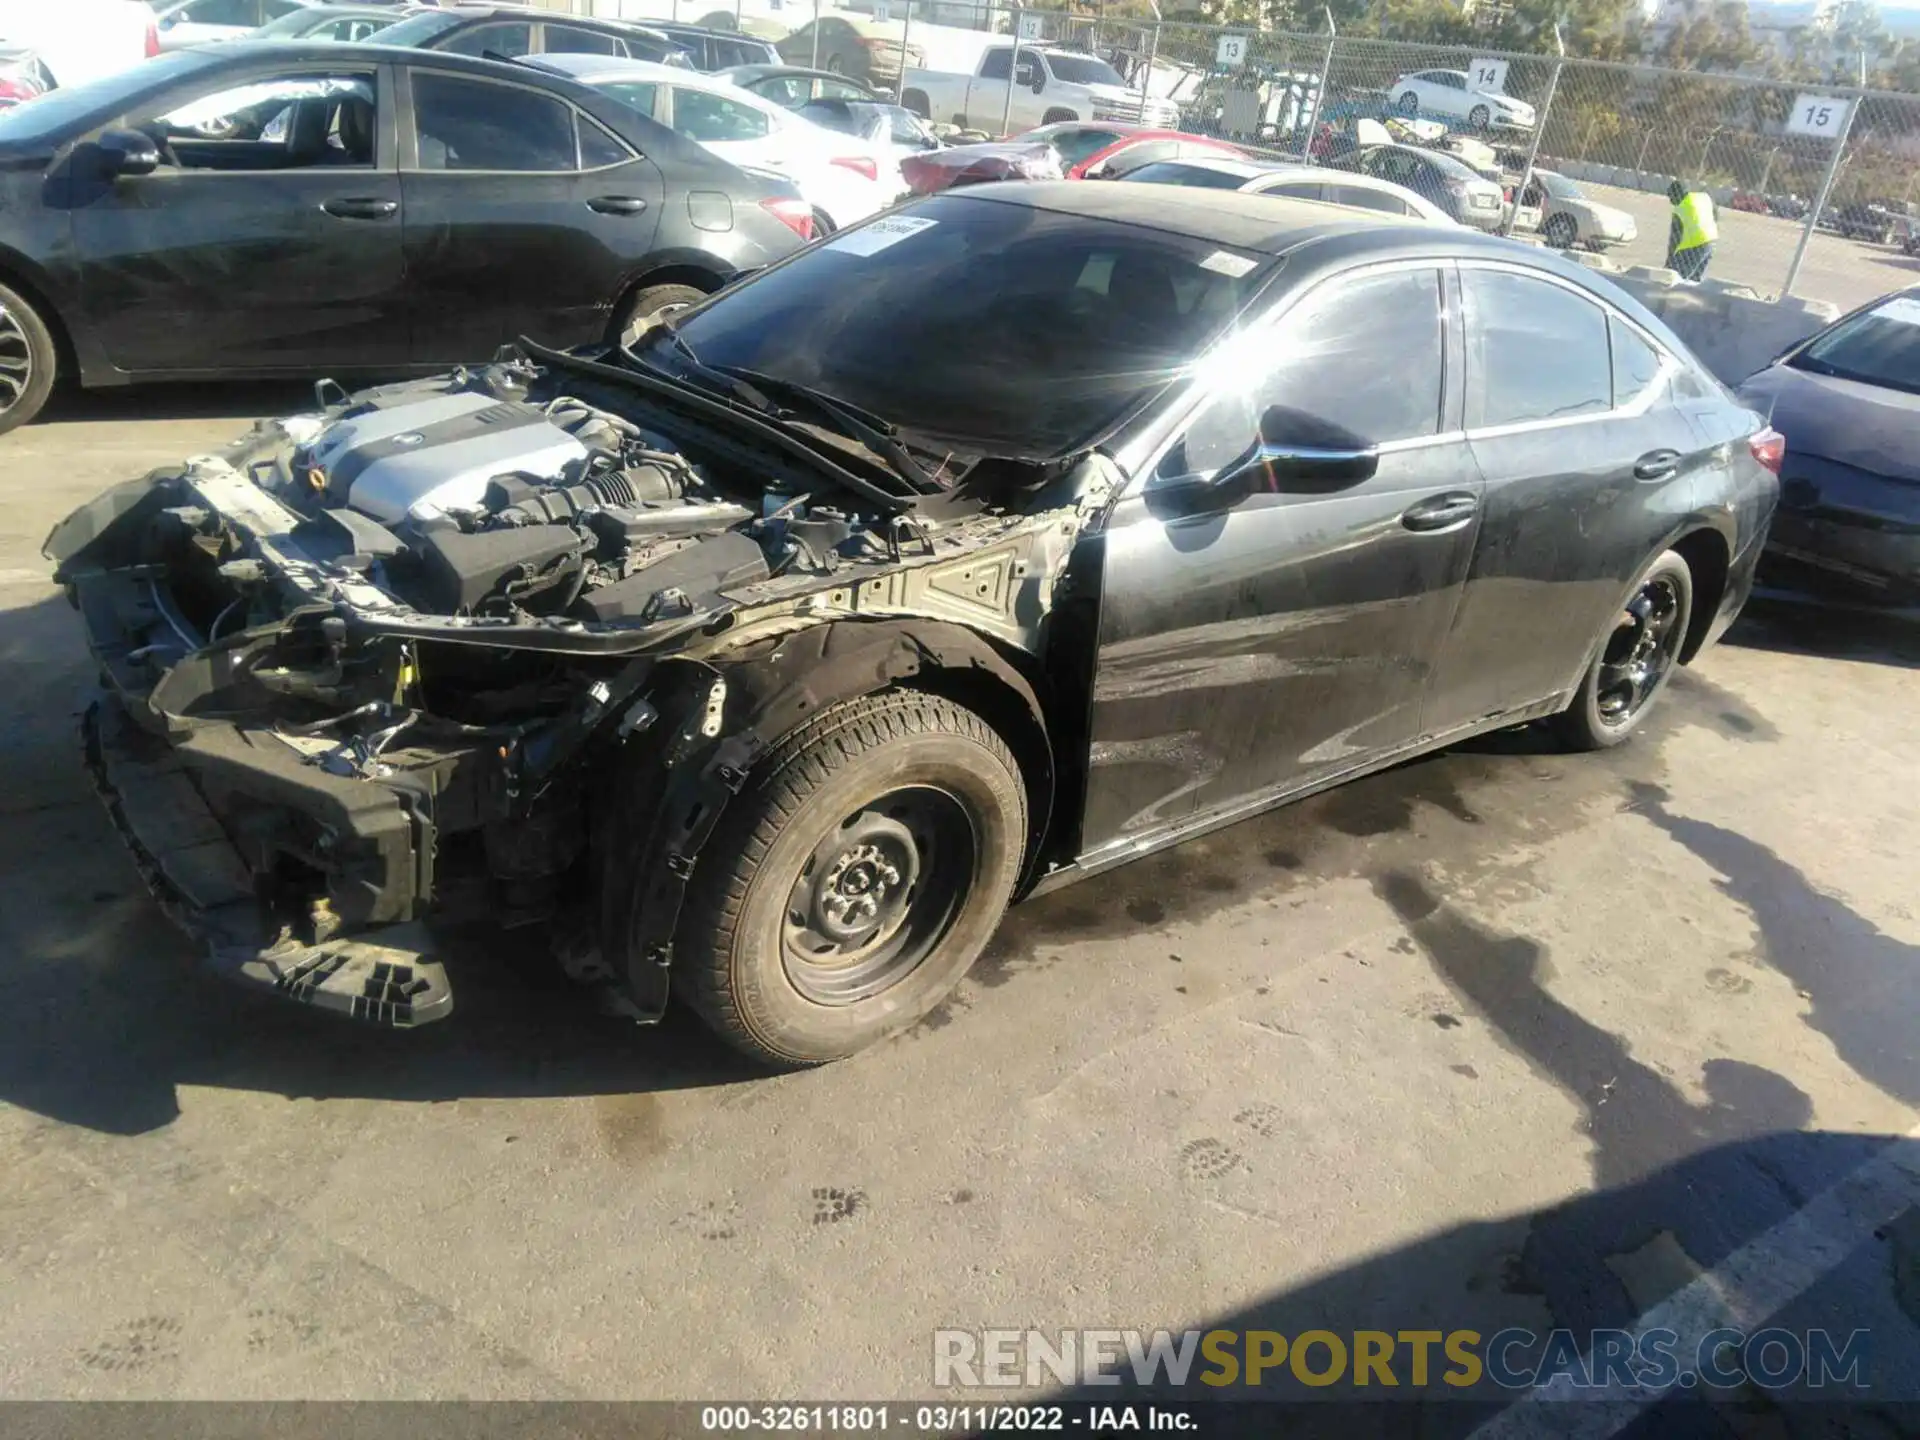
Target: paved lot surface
[1755, 250]
[1502, 1037]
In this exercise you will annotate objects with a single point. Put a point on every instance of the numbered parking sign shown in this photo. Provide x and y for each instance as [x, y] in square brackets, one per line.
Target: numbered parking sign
[881, 15]
[1031, 26]
[1489, 76]
[1818, 115]
[1232, 51]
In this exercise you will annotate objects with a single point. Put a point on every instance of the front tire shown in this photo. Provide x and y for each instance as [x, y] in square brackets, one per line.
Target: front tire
[1479, 116]
[855, 880]
[648, 306]
[1409, 103]
[29, 361]
[1561, 232]
[1635, 659]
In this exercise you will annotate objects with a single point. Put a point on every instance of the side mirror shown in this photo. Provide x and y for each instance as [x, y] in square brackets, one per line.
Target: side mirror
[127, 152]
[1302, 453]
[1100, 171]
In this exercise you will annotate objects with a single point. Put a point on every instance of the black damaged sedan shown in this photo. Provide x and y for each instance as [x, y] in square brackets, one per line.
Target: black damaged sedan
[982, 547]
[255, 209]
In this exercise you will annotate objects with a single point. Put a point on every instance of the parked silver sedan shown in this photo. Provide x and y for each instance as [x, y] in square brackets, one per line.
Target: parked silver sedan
[1296, 182]
[1569, 217]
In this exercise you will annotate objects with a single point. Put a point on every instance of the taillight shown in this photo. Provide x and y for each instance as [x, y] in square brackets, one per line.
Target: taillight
[1769, 447]
[15, 88]
[796, 215]
[859, 164]
[153, 38]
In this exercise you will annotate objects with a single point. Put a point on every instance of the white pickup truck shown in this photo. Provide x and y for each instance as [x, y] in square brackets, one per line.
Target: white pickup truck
[80, 40]
[1048, 85]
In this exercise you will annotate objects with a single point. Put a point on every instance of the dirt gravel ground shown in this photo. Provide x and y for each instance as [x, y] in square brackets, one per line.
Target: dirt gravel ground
[1500, 1037]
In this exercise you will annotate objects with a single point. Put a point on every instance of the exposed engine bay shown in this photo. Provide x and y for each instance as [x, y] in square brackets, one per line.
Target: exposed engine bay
[414, 639]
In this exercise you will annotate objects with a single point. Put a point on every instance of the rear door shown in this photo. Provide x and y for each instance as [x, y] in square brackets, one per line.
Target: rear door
[1588, 461]
[987, 91]
[524, 217]
[276, 248]
[1246, 654]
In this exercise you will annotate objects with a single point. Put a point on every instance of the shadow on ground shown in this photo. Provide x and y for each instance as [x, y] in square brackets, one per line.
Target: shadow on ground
[195, 400]
[1794, 628]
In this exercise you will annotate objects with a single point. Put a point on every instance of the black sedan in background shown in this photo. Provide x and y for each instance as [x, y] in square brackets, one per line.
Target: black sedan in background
[388, 211]
[1848, 402]
[1216, 500]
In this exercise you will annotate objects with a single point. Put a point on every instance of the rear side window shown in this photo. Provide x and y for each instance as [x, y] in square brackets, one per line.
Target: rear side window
[472, 125]
[1170, 172]
[998, 66]
[572, 40]
[600, 148]
[1535, 351]
[514, 39]
[1367, 199]
[702, 116]
[1636, 364]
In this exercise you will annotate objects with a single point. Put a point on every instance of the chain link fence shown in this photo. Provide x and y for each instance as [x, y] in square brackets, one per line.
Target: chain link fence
[1817, 189]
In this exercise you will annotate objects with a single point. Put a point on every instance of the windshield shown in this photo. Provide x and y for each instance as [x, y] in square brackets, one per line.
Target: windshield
[980, 326]
[1558, 186]
[1880, 346]
[48, 115]
[1172, 172]
[1083, 70]
[418, 30]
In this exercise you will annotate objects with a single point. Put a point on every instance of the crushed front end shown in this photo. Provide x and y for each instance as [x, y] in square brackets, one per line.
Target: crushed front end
[377, 664]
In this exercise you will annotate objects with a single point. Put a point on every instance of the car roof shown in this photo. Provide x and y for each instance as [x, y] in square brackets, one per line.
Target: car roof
[589, 68]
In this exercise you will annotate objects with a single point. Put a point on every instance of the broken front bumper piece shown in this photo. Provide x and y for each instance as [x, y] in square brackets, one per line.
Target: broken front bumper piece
[157, 796]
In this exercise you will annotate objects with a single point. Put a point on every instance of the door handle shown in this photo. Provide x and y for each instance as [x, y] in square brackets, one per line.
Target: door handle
[1442, 512]
[1656, 465]
[361, 208]
[617, 204]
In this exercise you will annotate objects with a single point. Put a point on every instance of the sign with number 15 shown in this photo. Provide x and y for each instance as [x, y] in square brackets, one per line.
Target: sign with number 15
[1818, 115]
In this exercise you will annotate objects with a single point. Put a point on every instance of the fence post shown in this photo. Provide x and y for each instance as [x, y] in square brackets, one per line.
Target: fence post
[1539, 129]
[1320, 89]
[1153, 55]
[1820, 200]
[1013, 72]
[906, 30]
[1640, 165]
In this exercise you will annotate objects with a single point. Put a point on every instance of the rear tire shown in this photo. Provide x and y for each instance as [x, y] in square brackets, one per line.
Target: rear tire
[1634, 660]
[1057, 117]
[854, 880]
[647, 306]
[917, 102]
[29, 361]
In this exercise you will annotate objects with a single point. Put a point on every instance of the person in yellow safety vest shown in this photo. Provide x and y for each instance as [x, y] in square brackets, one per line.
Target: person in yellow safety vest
[1690, 238]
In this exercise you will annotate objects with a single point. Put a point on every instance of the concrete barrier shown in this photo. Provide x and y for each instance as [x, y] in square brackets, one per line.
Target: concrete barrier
[1730, 327]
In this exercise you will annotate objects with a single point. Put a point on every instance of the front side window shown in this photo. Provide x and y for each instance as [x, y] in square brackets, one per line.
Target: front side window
[573, 40]
[287, 123]
[982, 327]
[473, 125]
[792, 91]
[840, 90]
[1535, 351]
[702, 116]
[1366, 354]
[513, 40]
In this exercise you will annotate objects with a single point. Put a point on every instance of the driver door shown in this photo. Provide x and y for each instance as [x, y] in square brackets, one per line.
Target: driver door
[1265, 647]
[267, 240]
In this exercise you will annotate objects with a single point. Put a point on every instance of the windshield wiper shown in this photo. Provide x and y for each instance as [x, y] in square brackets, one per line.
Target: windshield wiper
[716, 379]
[876, 434]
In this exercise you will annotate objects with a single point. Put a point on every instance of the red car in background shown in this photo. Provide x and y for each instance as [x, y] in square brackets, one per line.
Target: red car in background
[1073, 149]
[22, 76]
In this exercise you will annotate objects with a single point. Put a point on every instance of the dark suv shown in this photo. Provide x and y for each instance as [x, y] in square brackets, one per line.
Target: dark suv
[709, 49]
[511, 31]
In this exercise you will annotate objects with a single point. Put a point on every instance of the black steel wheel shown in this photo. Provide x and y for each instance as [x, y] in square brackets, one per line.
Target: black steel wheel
[1409, 103]
[1635, 660]
[850, 885]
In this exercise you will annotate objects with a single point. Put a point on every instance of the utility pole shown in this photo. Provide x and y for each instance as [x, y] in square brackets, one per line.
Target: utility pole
[1539, 124]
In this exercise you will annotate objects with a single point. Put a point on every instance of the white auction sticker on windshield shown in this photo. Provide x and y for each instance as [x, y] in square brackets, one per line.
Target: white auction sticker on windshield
[1903, 308]
[872, 239]
[1225, 262]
